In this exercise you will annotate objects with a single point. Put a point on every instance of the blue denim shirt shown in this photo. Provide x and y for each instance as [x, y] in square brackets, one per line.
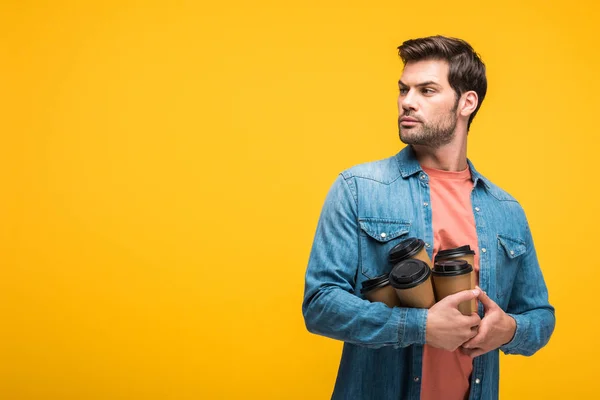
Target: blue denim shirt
[382, 355]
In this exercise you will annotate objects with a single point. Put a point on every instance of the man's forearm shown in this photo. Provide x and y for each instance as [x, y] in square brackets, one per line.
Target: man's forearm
[337, 314]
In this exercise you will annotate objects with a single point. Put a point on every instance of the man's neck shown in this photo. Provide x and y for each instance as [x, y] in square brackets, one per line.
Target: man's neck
[451, 157]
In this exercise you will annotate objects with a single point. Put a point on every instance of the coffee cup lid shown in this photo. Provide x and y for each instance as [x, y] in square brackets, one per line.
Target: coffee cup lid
[456, 252]
[451, 268]
[405, 249]
[375, 283]
[409, 273]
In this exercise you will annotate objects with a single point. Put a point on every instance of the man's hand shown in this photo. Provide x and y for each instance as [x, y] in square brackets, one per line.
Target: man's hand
[496, 329]
[447, 328]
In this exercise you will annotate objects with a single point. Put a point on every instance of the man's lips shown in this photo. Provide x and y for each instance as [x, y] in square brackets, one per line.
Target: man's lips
[407, 121]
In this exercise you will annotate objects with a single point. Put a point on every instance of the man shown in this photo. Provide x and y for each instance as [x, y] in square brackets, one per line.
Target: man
[430, 191]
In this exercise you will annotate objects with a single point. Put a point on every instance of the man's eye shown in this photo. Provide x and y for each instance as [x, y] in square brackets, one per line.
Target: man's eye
[403, 90]
[428, 91]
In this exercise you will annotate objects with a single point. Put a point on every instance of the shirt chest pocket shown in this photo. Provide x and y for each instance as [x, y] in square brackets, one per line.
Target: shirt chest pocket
[510, 252]
[377, 237]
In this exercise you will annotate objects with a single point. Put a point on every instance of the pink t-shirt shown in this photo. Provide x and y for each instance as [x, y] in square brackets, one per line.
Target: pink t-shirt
[446, 374]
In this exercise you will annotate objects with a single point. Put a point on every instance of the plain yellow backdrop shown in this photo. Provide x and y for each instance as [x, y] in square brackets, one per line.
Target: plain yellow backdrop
[163, 166]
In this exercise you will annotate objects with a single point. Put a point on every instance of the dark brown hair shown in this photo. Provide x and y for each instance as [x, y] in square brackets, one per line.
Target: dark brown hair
[467, 71]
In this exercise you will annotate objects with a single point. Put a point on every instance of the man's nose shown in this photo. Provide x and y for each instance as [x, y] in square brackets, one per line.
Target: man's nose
[408, 102]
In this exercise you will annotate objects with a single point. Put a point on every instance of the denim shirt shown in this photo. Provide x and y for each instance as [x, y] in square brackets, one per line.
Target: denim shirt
[369, 209]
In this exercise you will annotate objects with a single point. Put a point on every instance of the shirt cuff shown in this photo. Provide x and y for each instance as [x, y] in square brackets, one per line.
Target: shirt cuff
[521, 331]
[412, 326]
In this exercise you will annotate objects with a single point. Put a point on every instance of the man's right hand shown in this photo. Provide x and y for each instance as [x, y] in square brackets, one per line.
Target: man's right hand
[447, 328]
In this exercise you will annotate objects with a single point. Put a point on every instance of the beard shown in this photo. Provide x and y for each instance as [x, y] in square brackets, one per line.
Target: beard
[434, 134]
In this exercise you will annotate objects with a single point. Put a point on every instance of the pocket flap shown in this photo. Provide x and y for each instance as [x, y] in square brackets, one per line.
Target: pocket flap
[513, 247]
[384, 230]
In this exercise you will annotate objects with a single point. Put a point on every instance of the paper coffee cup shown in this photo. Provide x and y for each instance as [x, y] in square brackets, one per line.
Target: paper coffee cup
[461, 253]
[458, 253]
[453, 276]
[409, 248]
[379, 290]
[411, 279]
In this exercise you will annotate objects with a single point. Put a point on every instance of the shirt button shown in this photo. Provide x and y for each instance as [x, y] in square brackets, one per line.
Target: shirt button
[383, 235]
[512, 253]
[477, 209]
[425, 204]
[427, 245]
[422, 177]
[416, 379]
[477, 381]
[483, 250]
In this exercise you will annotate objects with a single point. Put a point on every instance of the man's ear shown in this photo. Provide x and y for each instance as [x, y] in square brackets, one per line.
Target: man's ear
[468, 103]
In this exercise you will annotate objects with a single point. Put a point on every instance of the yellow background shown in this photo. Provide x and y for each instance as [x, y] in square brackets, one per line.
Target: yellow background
[163, 165]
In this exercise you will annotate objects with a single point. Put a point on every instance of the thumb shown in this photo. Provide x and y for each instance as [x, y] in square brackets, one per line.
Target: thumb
[455, 299]
[485, 300]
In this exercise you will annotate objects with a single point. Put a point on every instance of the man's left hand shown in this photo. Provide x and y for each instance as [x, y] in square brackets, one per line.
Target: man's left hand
[495, 329]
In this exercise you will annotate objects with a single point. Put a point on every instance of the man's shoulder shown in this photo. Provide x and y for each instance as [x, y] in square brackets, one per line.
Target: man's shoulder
[498, 193]
[383, 171]
[509, 204]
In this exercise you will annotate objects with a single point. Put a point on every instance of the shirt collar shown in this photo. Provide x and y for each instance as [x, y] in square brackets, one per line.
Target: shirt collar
[476, 176]
[409, 165]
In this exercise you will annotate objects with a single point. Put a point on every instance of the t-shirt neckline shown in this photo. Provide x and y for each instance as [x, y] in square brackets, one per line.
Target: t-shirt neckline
[454, 175]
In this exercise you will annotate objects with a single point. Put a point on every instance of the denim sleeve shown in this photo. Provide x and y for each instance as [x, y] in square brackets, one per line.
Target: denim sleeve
[330, 306]
[529, 306]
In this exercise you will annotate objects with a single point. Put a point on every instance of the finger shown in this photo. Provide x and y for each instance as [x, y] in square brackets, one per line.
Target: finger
[478, 352]
[474, 320]
[472, 333]
[473, 352]
[478, 337]
[455, 299]
[466, 350]
[485, 300]
[474, 342]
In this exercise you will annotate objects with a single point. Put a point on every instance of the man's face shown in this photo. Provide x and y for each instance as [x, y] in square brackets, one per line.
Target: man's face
[427, 104]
